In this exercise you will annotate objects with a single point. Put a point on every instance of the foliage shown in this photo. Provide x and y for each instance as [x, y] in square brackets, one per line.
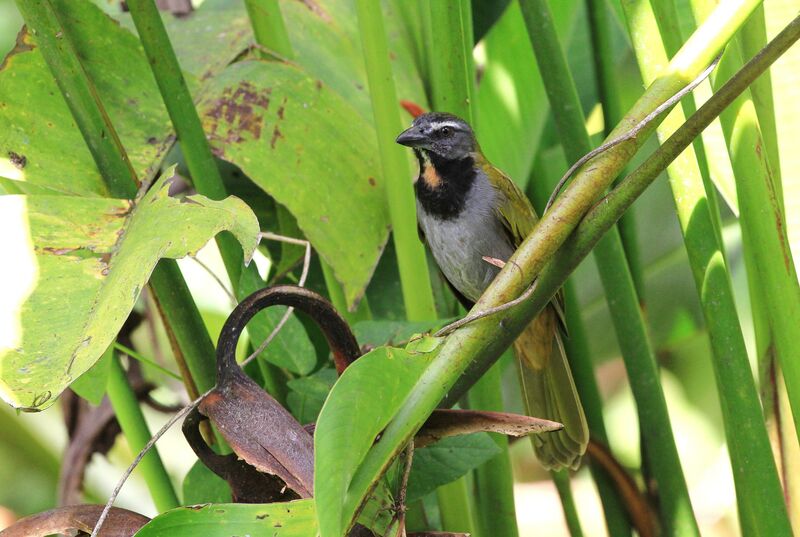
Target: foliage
[106, 174]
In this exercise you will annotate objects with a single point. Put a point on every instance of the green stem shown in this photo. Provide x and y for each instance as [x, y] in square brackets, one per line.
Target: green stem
[268, 28]
[449, 59]
[134, 426]
[143, 359]
[455, 509]
[494, 481]
[450, 40]
[79, 92]
[676, 509]
[411, 259]
[181, 315]
[758, 488]
[467, 353]
[175, 94]
[753, 39]
[609, 92]
[770, 267]
[577, 347]
[561, 479]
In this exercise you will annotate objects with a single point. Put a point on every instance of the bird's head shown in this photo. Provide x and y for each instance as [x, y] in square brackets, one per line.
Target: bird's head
[444, 135]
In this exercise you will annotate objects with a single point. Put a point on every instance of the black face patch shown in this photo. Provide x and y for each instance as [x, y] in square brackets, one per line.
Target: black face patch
[446, 198]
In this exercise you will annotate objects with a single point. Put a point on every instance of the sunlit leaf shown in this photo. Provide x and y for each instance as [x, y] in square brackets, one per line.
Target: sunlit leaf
[309, 149]
[88, 259]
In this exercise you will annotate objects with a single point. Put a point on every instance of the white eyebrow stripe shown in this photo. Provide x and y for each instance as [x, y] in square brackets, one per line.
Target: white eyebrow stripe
[451, 124]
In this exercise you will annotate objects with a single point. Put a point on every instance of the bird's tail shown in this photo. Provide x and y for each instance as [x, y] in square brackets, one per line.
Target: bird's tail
[549, 392]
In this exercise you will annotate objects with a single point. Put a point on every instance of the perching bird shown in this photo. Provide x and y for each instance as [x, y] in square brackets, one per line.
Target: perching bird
[471, 215]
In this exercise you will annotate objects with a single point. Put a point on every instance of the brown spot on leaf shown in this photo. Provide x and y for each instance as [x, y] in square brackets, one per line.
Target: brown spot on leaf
[276, 133]
[58, 251]
[319, 84]
[24, 44]
[282, 108]
[152, 140]
[19, 161]
[372, 181]
[238, 114]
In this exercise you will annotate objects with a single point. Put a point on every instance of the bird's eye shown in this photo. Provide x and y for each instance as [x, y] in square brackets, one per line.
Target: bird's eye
[445, 131]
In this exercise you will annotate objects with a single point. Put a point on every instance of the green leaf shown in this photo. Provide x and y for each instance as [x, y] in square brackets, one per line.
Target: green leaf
[290, 519]
[382, 332]
[326, 43]
[41, 148]
[87, 260]
[40, 129]
[92, 384]
[361, 404]
[201, 485]
[310, 150]
[307, 394]
[447, 460]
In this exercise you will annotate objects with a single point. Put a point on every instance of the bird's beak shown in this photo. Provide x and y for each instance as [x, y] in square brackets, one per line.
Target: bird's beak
[412, 137]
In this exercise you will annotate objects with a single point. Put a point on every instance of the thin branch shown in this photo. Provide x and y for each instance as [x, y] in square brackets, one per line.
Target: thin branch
[401, 494]
[216, 278]
[633, 133]
[188, 408]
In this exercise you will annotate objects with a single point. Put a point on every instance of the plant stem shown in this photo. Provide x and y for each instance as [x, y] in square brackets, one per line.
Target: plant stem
[471, 350]
[640, 362]
[609, 93]
[449, 59]
[79, 92]
[455, 509]
[495, 512]
[577, 347]
[133, 424]
[175, 93]
[769, 262]
[561, 479]
[268, 28]
[758, 488]
[450, 41]
[411, 259]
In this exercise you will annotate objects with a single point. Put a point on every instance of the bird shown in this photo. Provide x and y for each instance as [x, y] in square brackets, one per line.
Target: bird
[473, 217]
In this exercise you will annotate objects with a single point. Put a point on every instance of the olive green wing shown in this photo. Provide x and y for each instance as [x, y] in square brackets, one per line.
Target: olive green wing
[547, 385]
[514, 209]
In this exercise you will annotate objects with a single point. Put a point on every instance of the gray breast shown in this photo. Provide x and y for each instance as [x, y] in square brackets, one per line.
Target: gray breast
[458, 244]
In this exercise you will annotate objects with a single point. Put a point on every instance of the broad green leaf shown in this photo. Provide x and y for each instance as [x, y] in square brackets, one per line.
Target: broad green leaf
[361, 404]
[39, 127]
[309, 149]
[86, 261]
[290, 519]
[201, 485]
[41, 148]
[447, 460]
[307, 394]
[326, 43]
